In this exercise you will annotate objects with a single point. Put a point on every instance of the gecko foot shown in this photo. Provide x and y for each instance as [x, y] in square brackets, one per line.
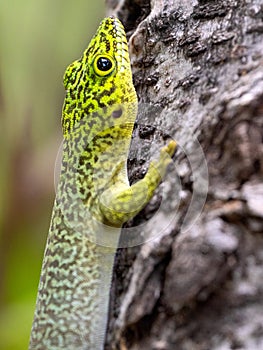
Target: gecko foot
[165, 158]
[170, 148]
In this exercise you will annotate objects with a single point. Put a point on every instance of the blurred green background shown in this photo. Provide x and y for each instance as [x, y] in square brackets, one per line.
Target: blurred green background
[38, 39]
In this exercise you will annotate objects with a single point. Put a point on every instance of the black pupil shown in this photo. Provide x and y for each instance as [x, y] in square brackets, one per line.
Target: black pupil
[104, 64]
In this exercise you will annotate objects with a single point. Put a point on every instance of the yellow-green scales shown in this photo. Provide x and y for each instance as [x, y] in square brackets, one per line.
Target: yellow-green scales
[94, 197]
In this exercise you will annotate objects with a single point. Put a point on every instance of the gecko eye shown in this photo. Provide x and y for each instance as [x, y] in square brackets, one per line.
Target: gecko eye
[103, 65]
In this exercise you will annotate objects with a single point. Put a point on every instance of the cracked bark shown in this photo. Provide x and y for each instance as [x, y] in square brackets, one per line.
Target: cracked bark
[199, 64]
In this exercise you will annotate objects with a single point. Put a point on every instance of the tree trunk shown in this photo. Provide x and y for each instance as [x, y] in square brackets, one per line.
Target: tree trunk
[198, 284]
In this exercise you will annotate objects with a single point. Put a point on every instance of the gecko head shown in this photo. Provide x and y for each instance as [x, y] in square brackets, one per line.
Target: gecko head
[100, 81]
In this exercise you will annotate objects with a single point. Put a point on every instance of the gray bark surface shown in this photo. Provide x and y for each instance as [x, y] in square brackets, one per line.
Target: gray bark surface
[199, 64]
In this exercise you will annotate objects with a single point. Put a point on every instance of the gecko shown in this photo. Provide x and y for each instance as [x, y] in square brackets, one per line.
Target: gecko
[94, 197]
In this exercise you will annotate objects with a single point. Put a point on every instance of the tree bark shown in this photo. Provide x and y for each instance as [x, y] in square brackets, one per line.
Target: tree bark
[199, 283]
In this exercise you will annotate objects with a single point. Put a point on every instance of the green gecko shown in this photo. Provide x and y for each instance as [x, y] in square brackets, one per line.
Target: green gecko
[94, 197]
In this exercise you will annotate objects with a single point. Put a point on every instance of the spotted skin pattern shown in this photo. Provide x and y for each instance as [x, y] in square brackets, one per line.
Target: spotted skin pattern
[93, 198]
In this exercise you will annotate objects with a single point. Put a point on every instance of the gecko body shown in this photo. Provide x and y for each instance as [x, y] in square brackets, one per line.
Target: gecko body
[94, 197]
